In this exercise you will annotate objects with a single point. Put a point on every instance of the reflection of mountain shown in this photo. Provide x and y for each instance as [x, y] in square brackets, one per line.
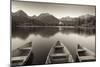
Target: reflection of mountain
[42, 31]
[49, 31]
[80, 31]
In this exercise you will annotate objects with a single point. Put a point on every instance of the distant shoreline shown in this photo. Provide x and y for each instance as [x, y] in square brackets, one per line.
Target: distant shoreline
[61, 26]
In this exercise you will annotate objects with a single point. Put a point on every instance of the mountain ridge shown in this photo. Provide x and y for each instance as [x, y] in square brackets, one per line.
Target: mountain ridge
[47, 19]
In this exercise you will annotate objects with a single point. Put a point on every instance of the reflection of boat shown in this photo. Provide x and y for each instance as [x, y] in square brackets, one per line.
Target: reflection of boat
[22, 55]
[84, 54]
[59, 54]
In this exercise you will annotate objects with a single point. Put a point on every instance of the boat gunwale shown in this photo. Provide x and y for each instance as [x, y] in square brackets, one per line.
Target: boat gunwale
[28, 55]
[49, 53]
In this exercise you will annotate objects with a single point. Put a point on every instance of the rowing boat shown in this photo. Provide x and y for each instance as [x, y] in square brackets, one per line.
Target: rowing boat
[22, 55]
[59, 54]
[84, 54]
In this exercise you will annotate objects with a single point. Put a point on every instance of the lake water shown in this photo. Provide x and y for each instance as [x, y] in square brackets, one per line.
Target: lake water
[44, 37]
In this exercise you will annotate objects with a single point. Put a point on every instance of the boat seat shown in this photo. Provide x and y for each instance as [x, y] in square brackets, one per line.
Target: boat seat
[18, 58]
[59, 55]
[87, 58]
[62, 60]
[27, 48]
[81, 50]
[59, 47]
[59, 58]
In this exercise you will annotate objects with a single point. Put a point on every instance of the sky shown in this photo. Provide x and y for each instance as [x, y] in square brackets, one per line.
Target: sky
[58, 10]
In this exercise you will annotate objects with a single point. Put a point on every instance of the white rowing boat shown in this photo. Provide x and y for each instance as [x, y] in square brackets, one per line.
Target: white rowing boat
[59, 54]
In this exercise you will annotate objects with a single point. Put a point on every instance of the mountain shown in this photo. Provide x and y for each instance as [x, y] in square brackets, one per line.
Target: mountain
[48, 19]
[20, 18]
[68, 21]
[84, 20]
[66, 18]
[87, 20]
[33, 17]
[85, 16]
[20, 13]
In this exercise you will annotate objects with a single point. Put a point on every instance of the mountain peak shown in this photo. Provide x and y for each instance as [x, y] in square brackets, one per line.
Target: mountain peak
[86, 16]
[67, 18]
[47, 19]
[44, 14]
[20, 13]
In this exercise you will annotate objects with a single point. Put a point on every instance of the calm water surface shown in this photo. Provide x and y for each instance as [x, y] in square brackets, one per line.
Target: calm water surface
[44, 37]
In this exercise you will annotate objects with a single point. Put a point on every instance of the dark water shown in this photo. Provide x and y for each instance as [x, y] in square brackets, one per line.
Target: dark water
[44, 37]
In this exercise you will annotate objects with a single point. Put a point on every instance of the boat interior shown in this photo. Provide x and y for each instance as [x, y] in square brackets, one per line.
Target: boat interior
[59, 55]
[84, 55]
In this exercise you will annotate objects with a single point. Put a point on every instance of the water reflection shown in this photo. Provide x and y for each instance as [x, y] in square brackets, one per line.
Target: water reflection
[43, 31]
[50, 31]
